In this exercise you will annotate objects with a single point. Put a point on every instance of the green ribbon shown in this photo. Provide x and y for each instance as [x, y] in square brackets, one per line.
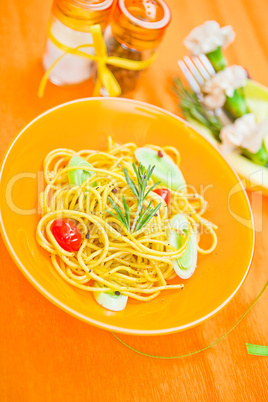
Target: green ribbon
[259, 350]
[263, 349]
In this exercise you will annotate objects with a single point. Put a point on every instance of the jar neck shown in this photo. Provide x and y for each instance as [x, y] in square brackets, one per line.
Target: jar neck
[80, 15]
[136, 27]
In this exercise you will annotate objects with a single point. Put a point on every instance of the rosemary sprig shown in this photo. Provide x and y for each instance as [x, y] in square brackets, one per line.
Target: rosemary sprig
[192, 107]
[146, 216]
[142, 216]
[125, 219]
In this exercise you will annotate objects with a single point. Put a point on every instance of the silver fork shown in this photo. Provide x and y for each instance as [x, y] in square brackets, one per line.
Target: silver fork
[197, 70]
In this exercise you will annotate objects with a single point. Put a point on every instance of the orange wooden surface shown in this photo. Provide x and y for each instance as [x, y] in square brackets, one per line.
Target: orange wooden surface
[45, 354]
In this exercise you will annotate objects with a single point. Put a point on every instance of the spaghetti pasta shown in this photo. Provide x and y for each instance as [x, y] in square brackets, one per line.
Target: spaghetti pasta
[138, 264]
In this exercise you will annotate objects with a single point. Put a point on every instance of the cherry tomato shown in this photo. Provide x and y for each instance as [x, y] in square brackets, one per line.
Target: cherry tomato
[164, 193]
[67, 234]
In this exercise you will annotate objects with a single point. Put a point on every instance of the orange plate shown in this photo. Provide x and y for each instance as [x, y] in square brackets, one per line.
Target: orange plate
[85, 124]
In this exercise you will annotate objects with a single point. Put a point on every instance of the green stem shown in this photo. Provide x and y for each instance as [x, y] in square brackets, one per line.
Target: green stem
[217, 59]
[260, 157]
[136, 217]
[236, 105]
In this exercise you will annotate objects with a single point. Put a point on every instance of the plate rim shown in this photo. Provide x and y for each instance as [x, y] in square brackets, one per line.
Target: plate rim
[71, 311]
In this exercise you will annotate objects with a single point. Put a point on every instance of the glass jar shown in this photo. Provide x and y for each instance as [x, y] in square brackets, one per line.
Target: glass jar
[134, 33]
[69, 24]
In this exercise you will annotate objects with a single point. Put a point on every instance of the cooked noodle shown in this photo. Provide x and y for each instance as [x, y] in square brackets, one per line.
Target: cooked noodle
[110, 258]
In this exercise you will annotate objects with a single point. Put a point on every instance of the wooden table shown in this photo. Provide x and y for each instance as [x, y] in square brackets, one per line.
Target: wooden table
[47, 355]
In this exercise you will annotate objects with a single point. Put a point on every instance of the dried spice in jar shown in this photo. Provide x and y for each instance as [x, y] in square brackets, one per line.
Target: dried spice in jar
[134, 33]
[69, 27]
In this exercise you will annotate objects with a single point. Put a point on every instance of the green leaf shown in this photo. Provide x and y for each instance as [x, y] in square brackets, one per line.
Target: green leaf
[116, 208]
[116, 216]
[126, 212]
[135, 169]
[143, 213]
[131, 183]
[149, 214]
[151, 189]
[125, 220]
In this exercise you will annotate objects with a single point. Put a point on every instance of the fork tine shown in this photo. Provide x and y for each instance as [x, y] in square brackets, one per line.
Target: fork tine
[207, 64]
[189, 77]
[203, 71]
[194, 70]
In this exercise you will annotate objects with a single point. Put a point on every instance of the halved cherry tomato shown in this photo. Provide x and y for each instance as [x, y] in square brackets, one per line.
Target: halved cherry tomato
[164, 193]
[67, 234]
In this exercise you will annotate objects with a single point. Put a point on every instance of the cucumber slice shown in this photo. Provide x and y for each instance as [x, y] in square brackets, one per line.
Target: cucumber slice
[186, 264]
[78, 176]
[259, 108]
[111, 301]
[165, 169]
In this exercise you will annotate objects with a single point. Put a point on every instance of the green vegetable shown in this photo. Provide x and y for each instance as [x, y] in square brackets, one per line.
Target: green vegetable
[260, 157]
[217, 59]
[113, 301]
[142, 216]
[236, 105]
[186, 264]
[165, 169]
[78, 176]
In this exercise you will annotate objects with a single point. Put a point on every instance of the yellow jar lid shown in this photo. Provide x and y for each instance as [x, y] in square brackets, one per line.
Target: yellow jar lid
[82, 14]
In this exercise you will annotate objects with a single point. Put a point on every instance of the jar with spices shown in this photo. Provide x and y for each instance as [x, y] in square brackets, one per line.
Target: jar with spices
[69, 27]
[136, 29]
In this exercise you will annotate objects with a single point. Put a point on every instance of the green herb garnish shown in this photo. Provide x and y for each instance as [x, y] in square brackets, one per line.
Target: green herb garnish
[142, 216]
[193, 108]
[125, 219]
